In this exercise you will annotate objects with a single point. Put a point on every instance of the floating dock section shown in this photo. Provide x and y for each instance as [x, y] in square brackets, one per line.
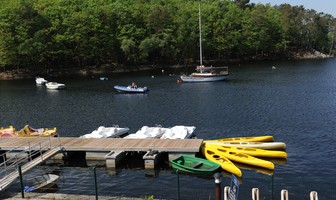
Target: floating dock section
[112, 150]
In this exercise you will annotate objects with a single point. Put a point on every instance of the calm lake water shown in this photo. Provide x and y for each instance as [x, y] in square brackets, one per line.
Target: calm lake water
[296, 103]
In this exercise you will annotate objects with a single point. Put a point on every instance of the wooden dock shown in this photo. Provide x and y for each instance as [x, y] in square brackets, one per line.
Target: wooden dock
[107, 144]
[112, 149]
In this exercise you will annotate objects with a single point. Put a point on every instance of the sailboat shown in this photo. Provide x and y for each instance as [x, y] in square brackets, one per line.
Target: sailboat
[205, 73]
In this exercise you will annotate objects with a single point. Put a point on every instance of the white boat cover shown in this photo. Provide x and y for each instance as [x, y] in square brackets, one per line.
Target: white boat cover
[106, 132]
[176, 132]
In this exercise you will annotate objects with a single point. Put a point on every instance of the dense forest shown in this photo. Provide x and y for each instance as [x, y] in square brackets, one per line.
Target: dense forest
[62, 33]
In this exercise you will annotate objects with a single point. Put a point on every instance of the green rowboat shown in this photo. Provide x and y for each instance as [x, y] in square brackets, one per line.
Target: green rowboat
[195, 165]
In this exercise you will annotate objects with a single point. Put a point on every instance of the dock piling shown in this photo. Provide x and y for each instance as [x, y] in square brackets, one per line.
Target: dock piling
[150, 159]
[113, 158]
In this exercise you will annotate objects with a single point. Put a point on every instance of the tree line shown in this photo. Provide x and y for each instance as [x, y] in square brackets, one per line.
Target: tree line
[60, 33]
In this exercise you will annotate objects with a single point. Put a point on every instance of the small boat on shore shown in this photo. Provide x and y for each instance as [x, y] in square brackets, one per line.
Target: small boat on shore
[195, 165]
[41, 183]
[55, 85]
[40, 81]
[106, 132]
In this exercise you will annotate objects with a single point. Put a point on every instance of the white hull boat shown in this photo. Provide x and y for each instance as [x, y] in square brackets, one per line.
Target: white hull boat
[107, 132]
[40, 81]
[176, 132]
[202, 77]
[55, 86]
[205, 73]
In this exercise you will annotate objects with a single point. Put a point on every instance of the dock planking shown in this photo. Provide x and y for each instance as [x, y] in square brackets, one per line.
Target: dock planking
[106, 144]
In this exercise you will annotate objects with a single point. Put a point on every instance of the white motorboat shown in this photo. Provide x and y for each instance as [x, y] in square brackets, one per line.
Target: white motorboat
[40, 80]
[55, 85]
[107, 132]
[176, 132]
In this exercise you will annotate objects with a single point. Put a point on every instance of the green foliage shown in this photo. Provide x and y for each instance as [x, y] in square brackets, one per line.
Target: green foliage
[42, 33]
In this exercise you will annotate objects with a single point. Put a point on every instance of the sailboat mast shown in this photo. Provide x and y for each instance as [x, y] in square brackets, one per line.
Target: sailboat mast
[200, 33]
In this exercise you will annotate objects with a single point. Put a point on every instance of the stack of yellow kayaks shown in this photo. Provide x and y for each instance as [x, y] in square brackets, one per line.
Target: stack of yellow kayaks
[238, 150]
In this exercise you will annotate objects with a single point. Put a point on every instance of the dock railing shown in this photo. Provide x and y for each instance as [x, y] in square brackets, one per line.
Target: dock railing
[18, 156]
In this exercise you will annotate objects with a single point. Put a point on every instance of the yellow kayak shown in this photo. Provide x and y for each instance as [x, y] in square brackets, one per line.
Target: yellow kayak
[257, 145]
[254, 151]
[28, 131]
[225, 163]
[265, 138]
[240, 157]
[255, 168]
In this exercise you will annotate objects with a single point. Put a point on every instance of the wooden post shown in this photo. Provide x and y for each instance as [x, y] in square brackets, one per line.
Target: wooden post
[255, 194]
[284, 195]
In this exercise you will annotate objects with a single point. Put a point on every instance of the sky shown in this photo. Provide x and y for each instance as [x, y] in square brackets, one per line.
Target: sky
[325, 6]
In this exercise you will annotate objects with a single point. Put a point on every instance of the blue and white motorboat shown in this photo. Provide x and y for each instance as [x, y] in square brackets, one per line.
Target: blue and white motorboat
[131, 89]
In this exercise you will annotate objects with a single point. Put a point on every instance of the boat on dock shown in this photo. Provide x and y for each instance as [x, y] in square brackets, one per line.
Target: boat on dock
[176, 132]
[28, 131]
[195, 165]
[7, 132]
[107, 132]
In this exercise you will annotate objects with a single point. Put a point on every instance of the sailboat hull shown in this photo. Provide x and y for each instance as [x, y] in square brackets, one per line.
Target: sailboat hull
[191, 78]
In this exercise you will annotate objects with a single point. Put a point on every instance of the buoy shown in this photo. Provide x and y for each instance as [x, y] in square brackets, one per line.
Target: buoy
[273, 67]
[152, 76]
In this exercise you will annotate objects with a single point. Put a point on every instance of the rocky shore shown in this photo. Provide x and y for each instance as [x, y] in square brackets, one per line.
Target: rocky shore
[16, 74]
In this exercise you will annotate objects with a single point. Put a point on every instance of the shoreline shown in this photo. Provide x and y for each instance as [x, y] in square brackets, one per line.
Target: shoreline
[25, 73]
[59, 196]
